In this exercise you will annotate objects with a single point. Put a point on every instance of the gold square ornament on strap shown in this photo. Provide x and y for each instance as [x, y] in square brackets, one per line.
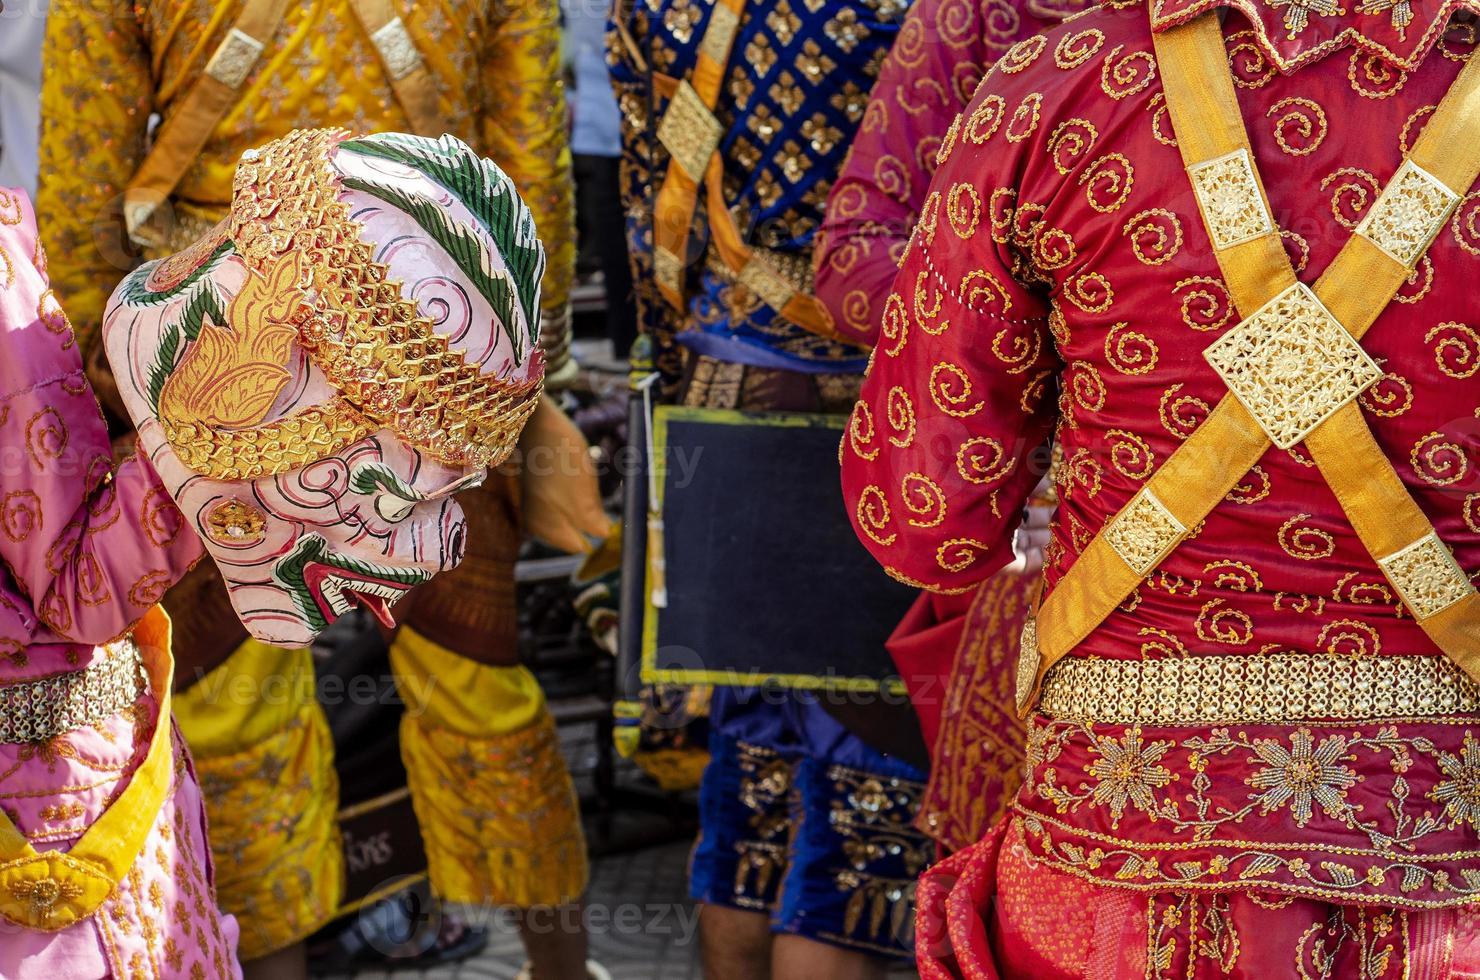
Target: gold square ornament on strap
[1294, 365]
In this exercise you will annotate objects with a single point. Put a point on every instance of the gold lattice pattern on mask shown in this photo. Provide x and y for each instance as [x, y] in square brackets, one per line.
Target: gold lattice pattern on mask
[1409, 214]
[1144, 532]
[1426, 576]
[390, 367]
[1292, 365]
[1229, 195]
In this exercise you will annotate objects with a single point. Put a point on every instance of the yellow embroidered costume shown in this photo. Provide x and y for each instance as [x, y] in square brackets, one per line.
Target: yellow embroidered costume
[491, 792]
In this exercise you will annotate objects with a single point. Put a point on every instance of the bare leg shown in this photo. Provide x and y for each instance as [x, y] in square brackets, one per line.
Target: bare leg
[736, 945]
[555, 941]
[286, 964]
[799, 958]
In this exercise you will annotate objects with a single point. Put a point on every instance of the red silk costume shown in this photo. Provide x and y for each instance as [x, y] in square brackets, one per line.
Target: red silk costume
[960, 678]
[1062, 283]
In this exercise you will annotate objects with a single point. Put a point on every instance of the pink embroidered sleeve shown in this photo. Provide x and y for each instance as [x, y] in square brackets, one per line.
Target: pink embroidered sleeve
[91, 544]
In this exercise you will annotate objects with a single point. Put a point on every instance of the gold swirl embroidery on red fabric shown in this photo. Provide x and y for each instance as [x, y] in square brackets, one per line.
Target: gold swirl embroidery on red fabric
[1388, 397]
[983, 461]
[861, 432]
[1206, 304]
[1022, 54]
[894, 325]
[1181, 414]
[1078, 48]
[1350, 637]
[1108, 182]
[1129, 351]
[1155, 236]
[984, 293]
[1122, 76]
[1302, 119]
[1373, 78]
[1304, 541]
[1438, 460]
[1218, 622]
[1251, 68]
[874, 516]
[1353, 193]
[959, 554]
[899, 410]
[985, 119]
[1071, 141]
[963, 209]
[1456, 349]
[951, 390]
[1024, 121]
[1465, 225]
[1130, 454]
[1253, 487]
[923, 498]
[1090, 292]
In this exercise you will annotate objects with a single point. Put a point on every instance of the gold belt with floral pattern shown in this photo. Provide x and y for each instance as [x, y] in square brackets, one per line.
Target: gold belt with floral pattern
[1280, 688]
[41, 710]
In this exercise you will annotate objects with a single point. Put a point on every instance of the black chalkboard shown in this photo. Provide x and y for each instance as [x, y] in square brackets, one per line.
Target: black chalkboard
[765, 580]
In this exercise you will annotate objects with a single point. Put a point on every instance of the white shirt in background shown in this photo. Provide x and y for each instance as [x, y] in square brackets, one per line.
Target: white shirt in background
[22, 23]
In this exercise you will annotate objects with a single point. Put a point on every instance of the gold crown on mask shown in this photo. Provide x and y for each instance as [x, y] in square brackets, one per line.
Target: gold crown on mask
[314, 280]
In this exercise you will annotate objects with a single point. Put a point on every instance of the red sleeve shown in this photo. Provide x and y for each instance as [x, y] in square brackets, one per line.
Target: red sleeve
[947, 440]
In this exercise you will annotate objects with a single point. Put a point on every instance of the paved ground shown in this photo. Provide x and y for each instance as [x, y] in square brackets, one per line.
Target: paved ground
[642, 927]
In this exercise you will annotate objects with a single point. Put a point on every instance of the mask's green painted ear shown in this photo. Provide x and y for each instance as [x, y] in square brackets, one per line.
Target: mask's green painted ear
[491, 197]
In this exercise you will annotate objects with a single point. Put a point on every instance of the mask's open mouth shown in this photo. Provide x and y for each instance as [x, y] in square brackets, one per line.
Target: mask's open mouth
[325, 585]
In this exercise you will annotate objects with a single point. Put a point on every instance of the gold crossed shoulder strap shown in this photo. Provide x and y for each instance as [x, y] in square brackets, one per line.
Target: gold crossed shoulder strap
[1293, 366]
[180, 141]
[691, 135]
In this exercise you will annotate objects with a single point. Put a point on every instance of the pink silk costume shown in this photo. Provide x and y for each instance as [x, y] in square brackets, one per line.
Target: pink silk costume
[89, 548]
[1062, 283]
[957, 654]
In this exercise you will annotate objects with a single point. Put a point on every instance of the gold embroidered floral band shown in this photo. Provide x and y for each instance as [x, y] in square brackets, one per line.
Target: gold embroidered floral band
[1282, 688]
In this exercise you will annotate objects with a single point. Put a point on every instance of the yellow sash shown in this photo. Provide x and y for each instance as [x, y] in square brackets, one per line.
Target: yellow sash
[1284, 320]
[51, 890]
[181, 139]
[404, 66]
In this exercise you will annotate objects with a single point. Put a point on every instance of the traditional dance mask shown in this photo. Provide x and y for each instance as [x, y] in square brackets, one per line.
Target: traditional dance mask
[316, 377]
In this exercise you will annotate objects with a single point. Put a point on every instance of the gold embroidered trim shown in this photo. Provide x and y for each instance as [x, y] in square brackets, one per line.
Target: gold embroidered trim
[234, 59]
[689, 131]
[719, 37]
[667, 269]
[1409, 214]
[760, 278]
[1426, 576]
[1144, 532]
[1255, 689]
[1029, 658]
[1292, 365]
[396, 49]
[1228, 193]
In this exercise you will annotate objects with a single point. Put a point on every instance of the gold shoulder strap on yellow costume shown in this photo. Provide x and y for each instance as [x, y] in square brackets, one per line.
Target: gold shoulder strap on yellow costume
[1293, 366]
[409, 76]
[691, 134]
[51, 890]
[179, 141]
